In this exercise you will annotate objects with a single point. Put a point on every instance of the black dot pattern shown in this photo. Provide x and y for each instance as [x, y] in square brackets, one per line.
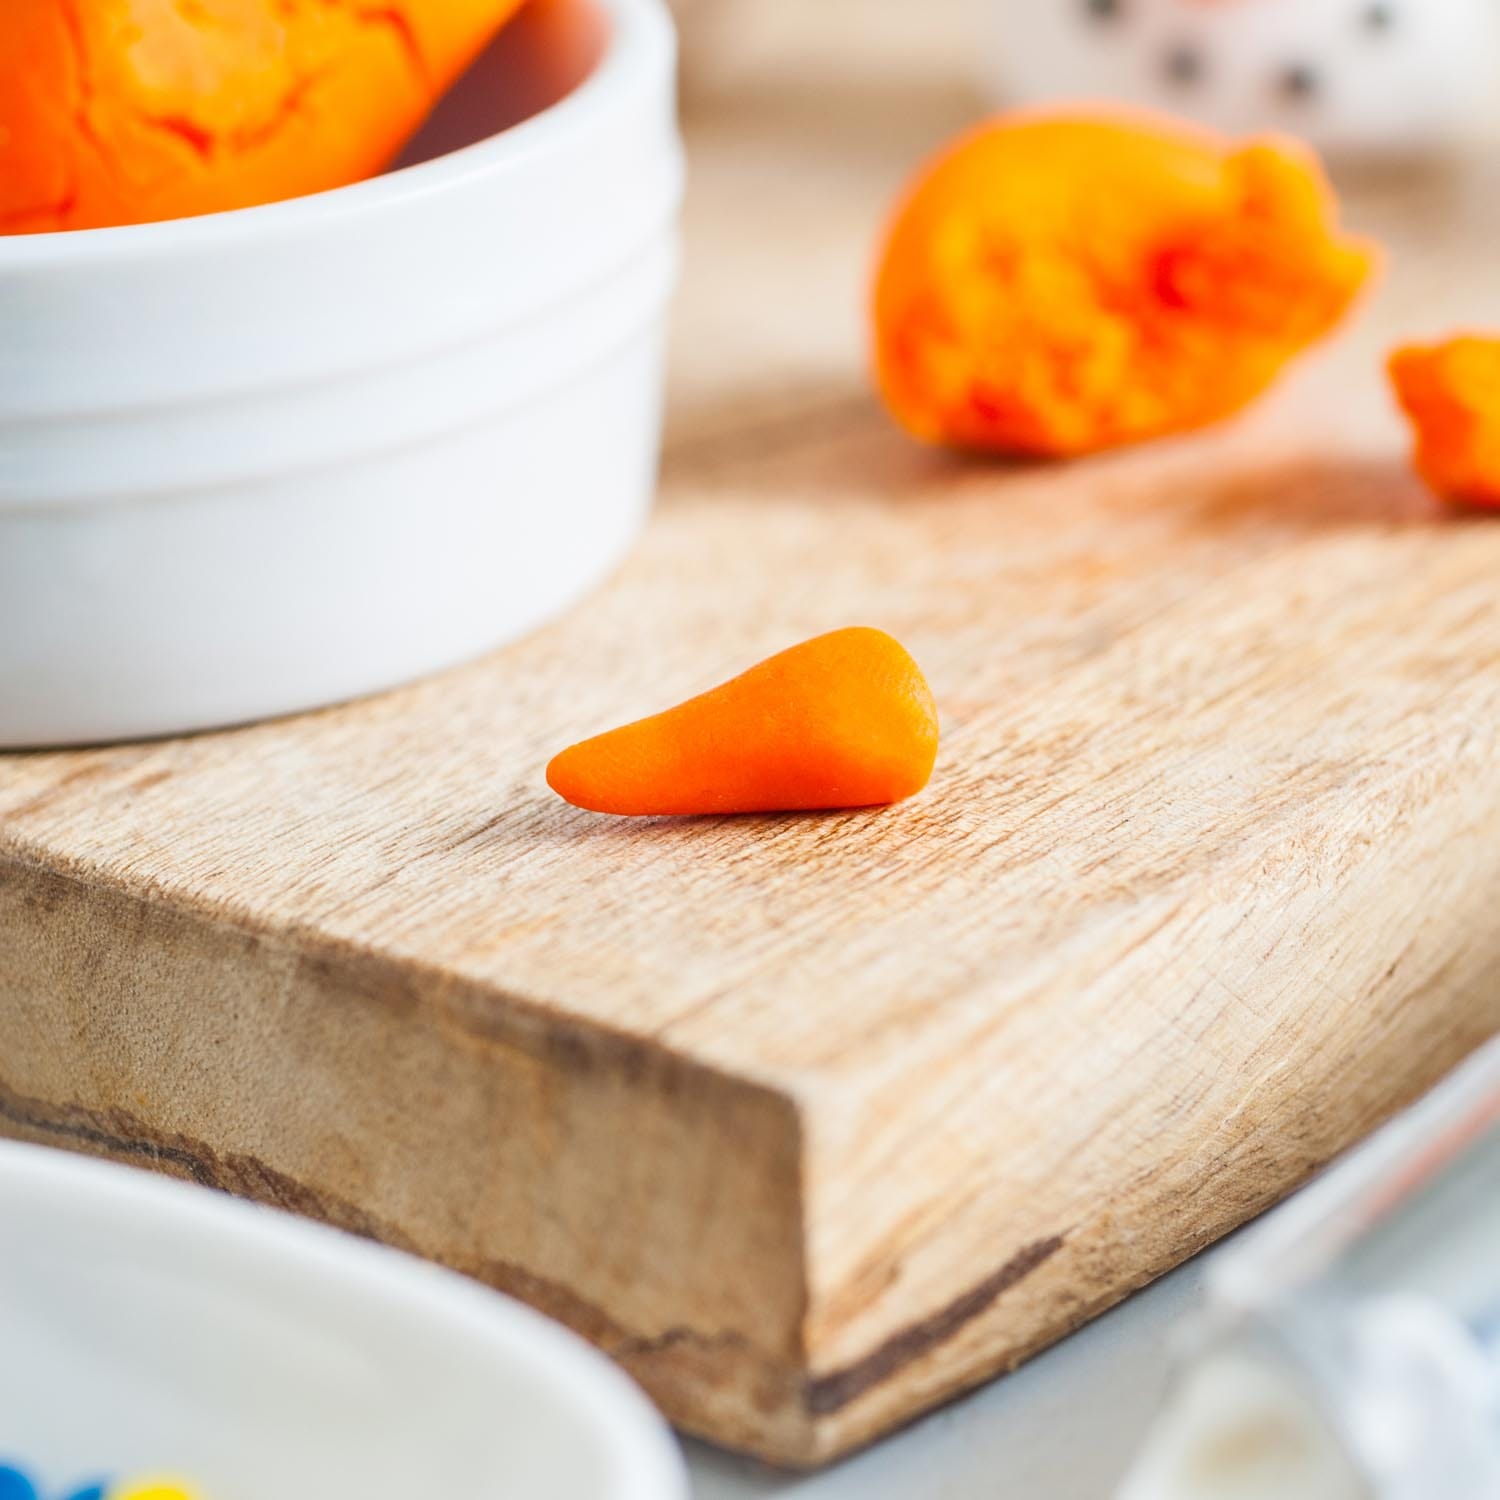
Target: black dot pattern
[1183, 65]
[1298, 81]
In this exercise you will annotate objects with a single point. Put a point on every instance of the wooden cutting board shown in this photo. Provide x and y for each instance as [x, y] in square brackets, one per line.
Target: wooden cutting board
[815, 1121]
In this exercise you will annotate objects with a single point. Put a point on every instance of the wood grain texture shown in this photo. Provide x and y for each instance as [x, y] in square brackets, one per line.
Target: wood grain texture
[815, 1121]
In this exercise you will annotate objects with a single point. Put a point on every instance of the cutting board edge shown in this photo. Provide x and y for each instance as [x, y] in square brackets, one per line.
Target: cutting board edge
[732, 1368]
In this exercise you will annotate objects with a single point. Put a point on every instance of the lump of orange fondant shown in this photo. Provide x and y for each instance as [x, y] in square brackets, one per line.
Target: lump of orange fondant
[1054, 284]
[120, 111]
[1451, 392]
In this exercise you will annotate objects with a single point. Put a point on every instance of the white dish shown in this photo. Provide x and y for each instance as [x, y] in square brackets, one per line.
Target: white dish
[149, 1326]
[259, 461]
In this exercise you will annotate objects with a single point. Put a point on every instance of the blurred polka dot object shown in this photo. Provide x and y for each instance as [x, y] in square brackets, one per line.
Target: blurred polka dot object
[16, 1484]
[1384, 78]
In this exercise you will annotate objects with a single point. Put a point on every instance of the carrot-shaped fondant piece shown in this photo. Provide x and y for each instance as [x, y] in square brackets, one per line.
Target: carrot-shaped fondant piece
[843, 720]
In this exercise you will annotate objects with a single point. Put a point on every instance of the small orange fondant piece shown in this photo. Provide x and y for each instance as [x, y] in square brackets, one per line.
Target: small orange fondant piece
[1451, 392]
[843, 720]
[1055, 284]
[121, 111]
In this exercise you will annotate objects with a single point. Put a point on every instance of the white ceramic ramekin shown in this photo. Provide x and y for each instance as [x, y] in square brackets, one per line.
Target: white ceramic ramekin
[259, 461]
[150, 1326]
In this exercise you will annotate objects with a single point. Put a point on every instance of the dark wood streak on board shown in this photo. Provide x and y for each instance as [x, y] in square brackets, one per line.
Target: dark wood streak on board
[118, 1134]
[829, 1393]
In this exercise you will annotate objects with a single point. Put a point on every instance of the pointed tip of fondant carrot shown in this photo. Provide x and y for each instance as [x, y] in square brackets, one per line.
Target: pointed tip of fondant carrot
[842, 720]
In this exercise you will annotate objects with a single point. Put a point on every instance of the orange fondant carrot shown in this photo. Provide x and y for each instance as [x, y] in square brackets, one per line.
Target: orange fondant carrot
[843, 720]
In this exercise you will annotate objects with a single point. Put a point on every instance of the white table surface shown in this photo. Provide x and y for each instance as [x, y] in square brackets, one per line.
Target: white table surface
[1060, 1428]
